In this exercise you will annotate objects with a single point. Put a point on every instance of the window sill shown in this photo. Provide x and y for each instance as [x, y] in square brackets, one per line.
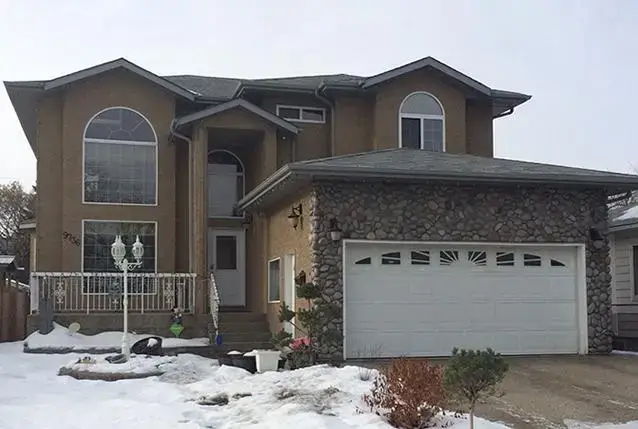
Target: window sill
[274, 302]
[94, 203]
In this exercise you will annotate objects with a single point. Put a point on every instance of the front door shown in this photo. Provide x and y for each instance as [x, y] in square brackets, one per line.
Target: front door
[226, 260]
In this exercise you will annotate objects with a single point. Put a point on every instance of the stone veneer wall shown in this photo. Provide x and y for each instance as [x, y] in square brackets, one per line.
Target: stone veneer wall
[384, 211]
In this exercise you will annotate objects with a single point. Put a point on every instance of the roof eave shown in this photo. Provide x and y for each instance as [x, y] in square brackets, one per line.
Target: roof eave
[423, 63]
[115, 64]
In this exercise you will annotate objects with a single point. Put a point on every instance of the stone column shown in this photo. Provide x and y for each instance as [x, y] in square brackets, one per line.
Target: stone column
[198, 219]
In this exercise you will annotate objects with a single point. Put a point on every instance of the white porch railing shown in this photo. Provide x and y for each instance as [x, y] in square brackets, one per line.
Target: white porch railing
[213, 296]
[102, 292]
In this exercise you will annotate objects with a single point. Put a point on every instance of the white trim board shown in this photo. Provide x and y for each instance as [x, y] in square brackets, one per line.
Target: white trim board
[581, 277]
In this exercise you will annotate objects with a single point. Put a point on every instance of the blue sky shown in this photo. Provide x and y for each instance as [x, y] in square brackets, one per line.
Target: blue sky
[578, 59]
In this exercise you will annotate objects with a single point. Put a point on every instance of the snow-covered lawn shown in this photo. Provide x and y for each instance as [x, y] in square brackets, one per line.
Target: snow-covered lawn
[33, 396]
[60, 338]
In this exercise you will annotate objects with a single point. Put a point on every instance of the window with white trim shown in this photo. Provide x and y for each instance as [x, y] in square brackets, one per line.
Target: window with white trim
[422, 122]
[274, 280]
[302, 114]
[120, 158]
[97, 237]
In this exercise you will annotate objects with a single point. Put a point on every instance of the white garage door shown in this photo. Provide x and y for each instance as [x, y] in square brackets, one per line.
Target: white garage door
[423, 300]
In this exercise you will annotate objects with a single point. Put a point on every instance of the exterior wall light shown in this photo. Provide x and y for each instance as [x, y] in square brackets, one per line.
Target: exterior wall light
[335, 231]
[295, 214]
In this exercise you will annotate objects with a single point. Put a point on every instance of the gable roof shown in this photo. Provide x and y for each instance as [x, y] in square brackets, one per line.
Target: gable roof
[24, 94]
[116, 64]
[237, 102]
[424, 63]
[415, 165]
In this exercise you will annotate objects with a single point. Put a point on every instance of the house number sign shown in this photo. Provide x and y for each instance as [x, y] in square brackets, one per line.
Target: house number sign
[71, 238]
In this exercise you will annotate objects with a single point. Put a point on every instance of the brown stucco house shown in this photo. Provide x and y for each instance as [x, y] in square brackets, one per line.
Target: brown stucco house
[383, 191]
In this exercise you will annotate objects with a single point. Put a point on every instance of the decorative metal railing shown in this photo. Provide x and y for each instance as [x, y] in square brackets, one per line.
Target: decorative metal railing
[75, 292]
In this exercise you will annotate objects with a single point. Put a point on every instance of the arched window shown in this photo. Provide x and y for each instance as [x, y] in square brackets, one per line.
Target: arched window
[225, 183]
[120, 158]
[422, 122]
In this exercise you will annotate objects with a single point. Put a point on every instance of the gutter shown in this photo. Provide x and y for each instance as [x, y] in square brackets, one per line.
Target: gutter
[258, 191]
[173, 131]
[505, 113]
[377, 173]
[320, 96]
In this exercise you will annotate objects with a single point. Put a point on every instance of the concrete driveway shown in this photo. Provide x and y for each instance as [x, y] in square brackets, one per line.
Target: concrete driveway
[544, 392]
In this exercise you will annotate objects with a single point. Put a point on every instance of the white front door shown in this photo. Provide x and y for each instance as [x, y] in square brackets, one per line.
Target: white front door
[226, 260]
[289, 288]
[423, 299]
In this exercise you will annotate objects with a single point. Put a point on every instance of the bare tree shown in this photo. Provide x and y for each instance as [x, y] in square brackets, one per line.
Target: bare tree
[16, 206]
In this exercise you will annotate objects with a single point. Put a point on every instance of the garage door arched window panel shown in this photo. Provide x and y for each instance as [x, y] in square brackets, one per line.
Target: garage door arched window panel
[420, 257]
[532, 260]
[505, 259]
[477, 257]
[391, 258]
[556, 263]
[120, 158]
[363, 261]
[422, 122]
[226, 183]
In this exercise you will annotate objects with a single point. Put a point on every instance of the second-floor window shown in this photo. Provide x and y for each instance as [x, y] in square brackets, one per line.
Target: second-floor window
[422, 122]
[120, 158]
[302, 114]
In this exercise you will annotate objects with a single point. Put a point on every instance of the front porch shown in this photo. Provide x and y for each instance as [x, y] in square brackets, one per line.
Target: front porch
[94, 300]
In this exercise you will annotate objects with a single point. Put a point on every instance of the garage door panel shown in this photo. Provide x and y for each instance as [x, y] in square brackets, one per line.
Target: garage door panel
[517, 300]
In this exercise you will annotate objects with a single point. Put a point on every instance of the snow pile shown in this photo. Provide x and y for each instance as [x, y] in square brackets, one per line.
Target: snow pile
[135, 365]
[60, 338]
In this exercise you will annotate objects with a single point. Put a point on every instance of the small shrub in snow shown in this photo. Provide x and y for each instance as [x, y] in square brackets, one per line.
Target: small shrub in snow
[365, 374]
[408, 393]
[473, 374]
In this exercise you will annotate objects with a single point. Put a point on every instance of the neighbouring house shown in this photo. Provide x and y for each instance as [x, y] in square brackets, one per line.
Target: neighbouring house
[623, 244]
[383, 191]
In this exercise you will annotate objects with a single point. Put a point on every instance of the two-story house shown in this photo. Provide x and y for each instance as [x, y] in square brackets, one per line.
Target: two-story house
[383, 191]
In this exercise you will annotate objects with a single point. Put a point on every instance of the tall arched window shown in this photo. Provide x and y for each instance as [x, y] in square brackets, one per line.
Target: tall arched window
[120, 158]
[225, 183]
[422, 122]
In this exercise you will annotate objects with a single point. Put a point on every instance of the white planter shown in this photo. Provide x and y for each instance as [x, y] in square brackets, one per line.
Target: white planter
[266, 360]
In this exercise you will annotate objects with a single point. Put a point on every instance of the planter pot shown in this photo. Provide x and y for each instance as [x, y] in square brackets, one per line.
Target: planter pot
[266, 360]
[246, 362]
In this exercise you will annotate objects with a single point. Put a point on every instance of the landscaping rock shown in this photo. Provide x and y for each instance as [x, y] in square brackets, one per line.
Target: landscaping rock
[221, 399]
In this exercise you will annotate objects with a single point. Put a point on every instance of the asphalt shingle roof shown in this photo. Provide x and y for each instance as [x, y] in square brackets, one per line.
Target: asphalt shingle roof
[415, 165]
[225, 87]
[447, 165]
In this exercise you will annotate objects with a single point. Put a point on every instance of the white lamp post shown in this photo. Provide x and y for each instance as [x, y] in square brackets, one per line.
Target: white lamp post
[118, 251]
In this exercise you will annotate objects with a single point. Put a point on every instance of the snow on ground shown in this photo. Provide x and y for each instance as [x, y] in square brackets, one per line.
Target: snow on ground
[135, 365]
[624, 353]
[61, 338]
[33, 396]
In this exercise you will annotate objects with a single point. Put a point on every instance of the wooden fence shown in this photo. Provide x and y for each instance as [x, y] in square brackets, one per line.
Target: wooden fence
[14, 308]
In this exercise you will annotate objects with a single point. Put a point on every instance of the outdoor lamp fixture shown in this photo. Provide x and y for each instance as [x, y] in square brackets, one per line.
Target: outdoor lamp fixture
[295, 215]
[335, 231]
[595, 235]
[118, 251]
